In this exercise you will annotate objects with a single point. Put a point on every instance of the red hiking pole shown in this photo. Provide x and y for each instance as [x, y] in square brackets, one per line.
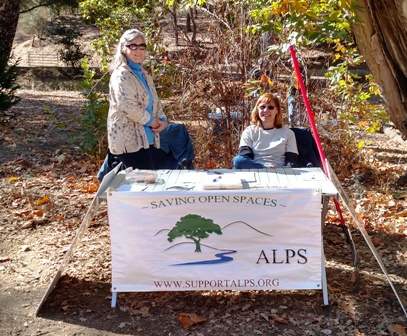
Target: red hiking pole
[320, 150]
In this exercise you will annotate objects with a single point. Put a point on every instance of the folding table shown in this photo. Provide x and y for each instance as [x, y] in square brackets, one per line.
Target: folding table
[134, 209]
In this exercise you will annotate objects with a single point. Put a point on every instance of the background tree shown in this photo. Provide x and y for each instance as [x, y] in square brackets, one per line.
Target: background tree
[194, 227]
[9, 12]
[8, 73]
[35, 23]
[68, 38]
[55, 5]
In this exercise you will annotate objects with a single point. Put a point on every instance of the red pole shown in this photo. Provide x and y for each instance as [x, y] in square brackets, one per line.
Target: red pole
[314, 128]
[308, 107]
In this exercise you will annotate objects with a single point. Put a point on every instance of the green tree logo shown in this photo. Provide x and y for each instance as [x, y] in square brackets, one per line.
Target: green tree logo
[194, 227]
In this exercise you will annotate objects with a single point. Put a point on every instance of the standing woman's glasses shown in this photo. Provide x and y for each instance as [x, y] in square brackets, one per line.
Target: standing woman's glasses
[134, 46]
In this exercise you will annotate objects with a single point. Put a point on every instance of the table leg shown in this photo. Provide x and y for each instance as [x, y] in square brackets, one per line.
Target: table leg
[324, 210]
[114, 299]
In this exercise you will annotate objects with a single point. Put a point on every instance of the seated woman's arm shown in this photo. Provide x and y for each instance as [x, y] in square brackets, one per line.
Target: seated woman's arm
[246, 151]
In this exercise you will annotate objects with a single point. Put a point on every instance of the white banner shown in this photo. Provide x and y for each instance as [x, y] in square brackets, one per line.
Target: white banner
[236, 240]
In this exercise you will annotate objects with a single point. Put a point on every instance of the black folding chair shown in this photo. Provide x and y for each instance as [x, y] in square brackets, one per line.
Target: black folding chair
[308, 155]
[176, 151]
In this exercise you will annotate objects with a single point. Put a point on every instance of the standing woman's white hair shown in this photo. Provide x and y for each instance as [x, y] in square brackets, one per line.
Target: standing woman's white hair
[119, 57]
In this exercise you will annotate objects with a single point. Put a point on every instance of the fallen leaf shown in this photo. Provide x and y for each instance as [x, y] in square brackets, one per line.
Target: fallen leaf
[143, 311]
[263, 78]
[61, 158]
[122, 325]
[211, 165]
[92, 188]
[39, 212]
[26, 224]
[278, 319]
[65, 305]
[21, 213]
[188, 320]
[396, 330]
[333, 289]
[42, 201]
[270, 82]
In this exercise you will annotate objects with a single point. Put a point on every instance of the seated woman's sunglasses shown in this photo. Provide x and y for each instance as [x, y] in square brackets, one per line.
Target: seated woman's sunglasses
[134, 46]
[270, 107]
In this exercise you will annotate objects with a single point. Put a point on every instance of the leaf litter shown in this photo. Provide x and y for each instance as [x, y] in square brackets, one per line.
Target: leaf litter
[48, 187]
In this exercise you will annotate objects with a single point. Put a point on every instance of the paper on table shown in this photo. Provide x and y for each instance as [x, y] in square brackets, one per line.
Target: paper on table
[235, 177]
[232, 180]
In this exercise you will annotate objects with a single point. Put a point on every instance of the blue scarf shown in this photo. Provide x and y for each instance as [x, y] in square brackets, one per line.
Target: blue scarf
[136, 69]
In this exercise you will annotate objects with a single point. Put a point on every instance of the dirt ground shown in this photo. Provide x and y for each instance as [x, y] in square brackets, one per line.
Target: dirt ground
[47, 187]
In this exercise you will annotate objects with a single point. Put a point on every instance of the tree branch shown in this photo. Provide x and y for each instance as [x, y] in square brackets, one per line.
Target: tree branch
[44, 4]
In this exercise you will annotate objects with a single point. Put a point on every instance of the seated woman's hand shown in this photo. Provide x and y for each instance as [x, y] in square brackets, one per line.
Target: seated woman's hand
[161, 126]
[269, 165]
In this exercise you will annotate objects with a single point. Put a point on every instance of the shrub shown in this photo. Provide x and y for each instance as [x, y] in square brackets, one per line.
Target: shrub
[8, 86]
[71, 51]
[93, 139]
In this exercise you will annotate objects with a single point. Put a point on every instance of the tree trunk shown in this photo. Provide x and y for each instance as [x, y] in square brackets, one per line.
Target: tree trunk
[191, 12]
[175, 25]
[382, 40]
[188, 26]
[9, 12]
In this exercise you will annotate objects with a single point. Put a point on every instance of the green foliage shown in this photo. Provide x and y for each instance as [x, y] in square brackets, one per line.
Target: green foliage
[307, 22]
[216, 73]
[92, 136]
[114, 17]
[356, 91]
[8, 86]
[194, 227]
[36, 22]
[168, 77]
[328, 23]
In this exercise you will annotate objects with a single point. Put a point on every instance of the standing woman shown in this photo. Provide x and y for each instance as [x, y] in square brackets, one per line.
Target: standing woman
[266, 143]
[135, 117]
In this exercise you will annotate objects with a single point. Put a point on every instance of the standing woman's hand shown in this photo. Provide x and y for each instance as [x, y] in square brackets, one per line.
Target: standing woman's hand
[161, 126]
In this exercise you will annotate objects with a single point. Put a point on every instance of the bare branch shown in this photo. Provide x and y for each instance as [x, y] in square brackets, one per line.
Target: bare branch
[44, 4]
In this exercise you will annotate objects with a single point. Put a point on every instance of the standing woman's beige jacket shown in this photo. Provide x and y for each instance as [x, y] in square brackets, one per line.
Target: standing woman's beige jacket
[127, 112]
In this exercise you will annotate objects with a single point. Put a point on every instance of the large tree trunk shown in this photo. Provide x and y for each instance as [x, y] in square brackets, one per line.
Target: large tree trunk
[9, 11]
[382, 40]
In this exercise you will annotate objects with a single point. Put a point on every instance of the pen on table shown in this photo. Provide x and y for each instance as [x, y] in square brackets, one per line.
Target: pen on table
[217, 179]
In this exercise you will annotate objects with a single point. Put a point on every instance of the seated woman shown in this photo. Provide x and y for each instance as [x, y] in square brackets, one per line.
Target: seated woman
[266, 143]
